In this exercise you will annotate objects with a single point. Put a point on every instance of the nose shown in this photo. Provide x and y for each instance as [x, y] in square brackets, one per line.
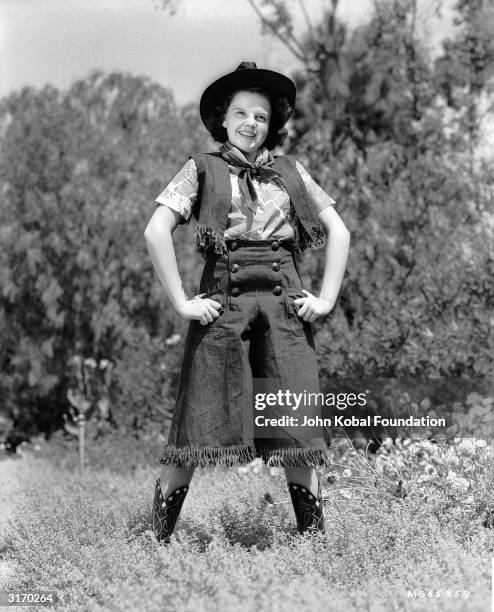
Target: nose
[250, 120]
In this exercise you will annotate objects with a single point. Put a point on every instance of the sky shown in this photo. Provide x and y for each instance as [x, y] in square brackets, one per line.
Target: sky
[60, 41]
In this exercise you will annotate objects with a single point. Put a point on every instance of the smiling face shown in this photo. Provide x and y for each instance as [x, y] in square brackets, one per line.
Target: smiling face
[247, 122]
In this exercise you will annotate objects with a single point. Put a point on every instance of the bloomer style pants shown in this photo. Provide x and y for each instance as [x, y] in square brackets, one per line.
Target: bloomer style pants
[257, 343]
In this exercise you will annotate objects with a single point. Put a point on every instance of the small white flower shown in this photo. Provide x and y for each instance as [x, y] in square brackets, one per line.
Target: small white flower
[387, 443]
[458, 482]
[173, 339]
[462, 484]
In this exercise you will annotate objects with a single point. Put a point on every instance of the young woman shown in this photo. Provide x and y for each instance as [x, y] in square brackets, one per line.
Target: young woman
[250, 325]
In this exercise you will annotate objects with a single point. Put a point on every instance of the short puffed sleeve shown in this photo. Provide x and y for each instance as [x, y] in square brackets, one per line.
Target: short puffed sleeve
[317, 194]
[181, 192]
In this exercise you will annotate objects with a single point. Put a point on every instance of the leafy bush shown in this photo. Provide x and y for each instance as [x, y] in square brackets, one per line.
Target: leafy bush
[147, 382]
[394, 139]
[79, 173]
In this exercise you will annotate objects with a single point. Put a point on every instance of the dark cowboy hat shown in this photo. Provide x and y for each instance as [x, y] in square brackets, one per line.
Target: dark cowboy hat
[247, 74]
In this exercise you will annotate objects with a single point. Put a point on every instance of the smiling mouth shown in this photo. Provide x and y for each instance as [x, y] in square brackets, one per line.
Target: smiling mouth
[246, 135]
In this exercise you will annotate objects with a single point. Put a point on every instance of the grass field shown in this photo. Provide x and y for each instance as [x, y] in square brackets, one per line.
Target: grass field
[417, 546]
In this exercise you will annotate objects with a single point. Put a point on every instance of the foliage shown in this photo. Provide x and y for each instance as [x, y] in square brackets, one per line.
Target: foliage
[144, 396]
[385, 128]
[451, 480]
[79, 171]
[396, 148]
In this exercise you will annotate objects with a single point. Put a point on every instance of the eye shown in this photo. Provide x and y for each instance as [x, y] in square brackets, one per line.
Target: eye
[262, 118]
[239, 112]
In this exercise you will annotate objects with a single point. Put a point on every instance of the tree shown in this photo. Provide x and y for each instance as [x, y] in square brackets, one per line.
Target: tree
[372, 125]
[79, 173]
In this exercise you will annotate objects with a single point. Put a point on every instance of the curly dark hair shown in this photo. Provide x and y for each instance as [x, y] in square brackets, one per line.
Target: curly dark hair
[280, 113]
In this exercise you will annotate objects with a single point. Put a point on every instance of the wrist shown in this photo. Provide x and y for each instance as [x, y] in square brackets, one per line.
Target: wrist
[327, 299]
[180, 309]
[180, 304]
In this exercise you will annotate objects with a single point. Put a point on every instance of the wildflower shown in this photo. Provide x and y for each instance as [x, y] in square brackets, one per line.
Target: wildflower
[473, 398]
[466, 444]
[457, 481]
[387, 443]
[430, 470]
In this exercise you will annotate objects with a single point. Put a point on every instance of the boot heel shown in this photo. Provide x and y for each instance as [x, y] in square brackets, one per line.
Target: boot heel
[308, 508]
[165, 512]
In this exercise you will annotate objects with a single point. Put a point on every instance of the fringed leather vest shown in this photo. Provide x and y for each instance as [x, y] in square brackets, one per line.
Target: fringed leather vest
[214, 199]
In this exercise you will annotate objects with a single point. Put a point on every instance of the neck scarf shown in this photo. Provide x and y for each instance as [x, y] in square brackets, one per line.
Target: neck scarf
[246, 171]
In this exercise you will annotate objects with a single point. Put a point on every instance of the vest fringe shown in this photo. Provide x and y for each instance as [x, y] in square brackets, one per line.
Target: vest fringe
[309, 240]
[207, 238]
[236, 456]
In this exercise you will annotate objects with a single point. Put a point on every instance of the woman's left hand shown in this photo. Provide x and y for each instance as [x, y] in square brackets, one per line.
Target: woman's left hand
[312, 307]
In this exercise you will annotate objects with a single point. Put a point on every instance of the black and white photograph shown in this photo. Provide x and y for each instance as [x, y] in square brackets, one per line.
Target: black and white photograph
[247, 305]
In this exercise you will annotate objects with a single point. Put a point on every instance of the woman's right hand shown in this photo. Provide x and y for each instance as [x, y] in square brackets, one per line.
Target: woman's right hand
[205, 310]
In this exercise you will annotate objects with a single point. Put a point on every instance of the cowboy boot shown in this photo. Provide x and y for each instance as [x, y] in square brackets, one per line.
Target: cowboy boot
[308, 508]
[165, 512]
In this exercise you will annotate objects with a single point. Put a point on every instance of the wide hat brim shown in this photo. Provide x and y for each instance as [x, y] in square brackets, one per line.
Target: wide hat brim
[246, 75]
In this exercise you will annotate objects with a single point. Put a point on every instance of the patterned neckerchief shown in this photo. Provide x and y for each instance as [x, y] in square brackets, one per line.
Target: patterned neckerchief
[246, 171]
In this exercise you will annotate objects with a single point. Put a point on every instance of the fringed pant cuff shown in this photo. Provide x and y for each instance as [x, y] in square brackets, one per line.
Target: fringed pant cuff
[295, 457]
[225, 456]
[236, 456]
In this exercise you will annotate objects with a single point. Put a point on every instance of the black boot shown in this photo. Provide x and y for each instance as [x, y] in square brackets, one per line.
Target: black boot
[308, 508]
[165, 512]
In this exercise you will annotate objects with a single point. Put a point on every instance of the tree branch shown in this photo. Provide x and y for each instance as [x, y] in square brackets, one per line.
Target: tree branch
[268, 24]
[307, 19]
